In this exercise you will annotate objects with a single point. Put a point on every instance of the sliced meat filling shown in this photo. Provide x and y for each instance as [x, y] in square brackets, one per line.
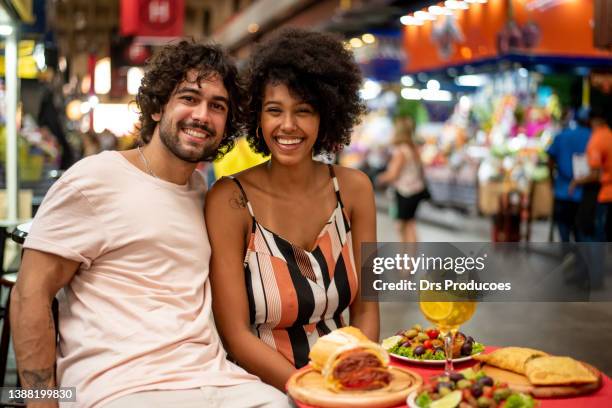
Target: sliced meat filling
[362, 370]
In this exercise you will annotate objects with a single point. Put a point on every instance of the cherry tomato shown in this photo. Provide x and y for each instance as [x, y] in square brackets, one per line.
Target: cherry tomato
[428, 344]
[487, 391]
[433, 333]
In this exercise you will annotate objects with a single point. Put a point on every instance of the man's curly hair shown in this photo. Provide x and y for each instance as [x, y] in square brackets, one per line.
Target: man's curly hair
[169, 67]
[317, 69]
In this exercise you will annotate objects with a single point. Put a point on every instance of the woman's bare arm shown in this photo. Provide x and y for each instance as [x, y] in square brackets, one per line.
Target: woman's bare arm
[358, 194]
[228, 222]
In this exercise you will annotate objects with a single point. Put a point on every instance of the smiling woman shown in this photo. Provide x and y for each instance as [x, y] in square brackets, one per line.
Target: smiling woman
[286, 234]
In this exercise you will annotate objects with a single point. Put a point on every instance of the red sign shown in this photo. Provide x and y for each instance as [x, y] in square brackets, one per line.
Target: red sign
[152, 18]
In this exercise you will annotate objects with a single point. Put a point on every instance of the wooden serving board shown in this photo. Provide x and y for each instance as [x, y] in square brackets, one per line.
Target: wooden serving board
[307, 386]
[519, 382]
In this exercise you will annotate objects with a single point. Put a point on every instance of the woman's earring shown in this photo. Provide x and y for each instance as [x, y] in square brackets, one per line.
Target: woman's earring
[258, 132]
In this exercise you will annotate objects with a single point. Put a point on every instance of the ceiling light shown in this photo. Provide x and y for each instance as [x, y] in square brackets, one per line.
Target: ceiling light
[368, 38]
[102, 76]
[411, 21]
[371, 89]
[134, 78]
[424, 16]
[407, 80]
[439, 11]
[433, 85]
[411, 94]
[471, 80]
[356, 42]
[456, 5]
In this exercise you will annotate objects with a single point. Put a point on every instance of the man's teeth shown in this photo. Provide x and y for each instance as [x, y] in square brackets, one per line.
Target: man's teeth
[288, 141]
[195, 133]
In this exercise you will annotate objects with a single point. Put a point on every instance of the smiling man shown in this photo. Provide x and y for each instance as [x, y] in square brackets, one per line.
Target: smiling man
[123, 235]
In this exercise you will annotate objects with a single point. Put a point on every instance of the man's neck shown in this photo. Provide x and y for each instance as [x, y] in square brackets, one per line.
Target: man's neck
[163, 164]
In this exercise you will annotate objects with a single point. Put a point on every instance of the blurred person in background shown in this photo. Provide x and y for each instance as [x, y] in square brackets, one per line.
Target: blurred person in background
[405, 174]
[286, 234]
[123, 234]
[599, 157]
[49, 116]
[90, 144]
[567, 147]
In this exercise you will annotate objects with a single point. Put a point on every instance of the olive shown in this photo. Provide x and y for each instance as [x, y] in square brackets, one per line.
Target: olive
[455, 376]
[444, 391]
[405, 344]
[417, 327]
[445, 384]
[476, 390]
[485, 381]
[411, 333]
[470, 339]
[501, 394]
[466, 349]
[422, 336]
[439, 349]
[484, 402]
[418, 351]
[461, 384]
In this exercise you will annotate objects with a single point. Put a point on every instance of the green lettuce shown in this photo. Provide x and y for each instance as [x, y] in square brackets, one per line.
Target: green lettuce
[519, 401]
[423, 400]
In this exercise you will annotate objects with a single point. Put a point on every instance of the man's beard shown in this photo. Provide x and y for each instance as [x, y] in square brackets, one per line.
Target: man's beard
[170, 139]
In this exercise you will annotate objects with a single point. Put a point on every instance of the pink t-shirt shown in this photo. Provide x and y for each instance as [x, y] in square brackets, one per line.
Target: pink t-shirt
[137, 314]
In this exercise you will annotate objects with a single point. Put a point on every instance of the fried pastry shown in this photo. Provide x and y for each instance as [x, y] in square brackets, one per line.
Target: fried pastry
[511, 358]
[553, 370]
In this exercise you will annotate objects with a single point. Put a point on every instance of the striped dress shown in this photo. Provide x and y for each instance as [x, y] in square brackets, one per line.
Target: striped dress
[295, 296]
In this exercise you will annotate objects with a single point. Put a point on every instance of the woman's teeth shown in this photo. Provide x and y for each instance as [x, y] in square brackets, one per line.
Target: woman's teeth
[288, 141]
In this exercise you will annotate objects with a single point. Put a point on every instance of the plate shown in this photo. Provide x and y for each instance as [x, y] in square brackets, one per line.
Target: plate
[308, 387]
[410, 400]
[432, 362]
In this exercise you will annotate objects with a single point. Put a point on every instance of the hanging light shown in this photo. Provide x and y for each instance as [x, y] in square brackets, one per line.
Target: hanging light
[456, 5]
[368, 38]
[411, 21]
[424, 16]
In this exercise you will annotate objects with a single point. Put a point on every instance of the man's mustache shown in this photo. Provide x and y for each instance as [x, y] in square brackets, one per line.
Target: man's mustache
[198, 125]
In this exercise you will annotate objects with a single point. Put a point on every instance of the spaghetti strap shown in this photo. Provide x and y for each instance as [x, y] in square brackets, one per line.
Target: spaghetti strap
[336, 186]
[248, 203]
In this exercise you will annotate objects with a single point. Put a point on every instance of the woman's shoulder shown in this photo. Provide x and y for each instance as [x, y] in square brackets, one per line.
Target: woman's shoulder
[231, 183]
[352, 181]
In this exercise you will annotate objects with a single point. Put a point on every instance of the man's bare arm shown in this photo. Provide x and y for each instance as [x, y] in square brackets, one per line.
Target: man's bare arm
[40, 277]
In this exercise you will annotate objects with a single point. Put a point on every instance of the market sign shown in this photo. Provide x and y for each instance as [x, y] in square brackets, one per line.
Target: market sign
[554, 28]
[152, 18]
